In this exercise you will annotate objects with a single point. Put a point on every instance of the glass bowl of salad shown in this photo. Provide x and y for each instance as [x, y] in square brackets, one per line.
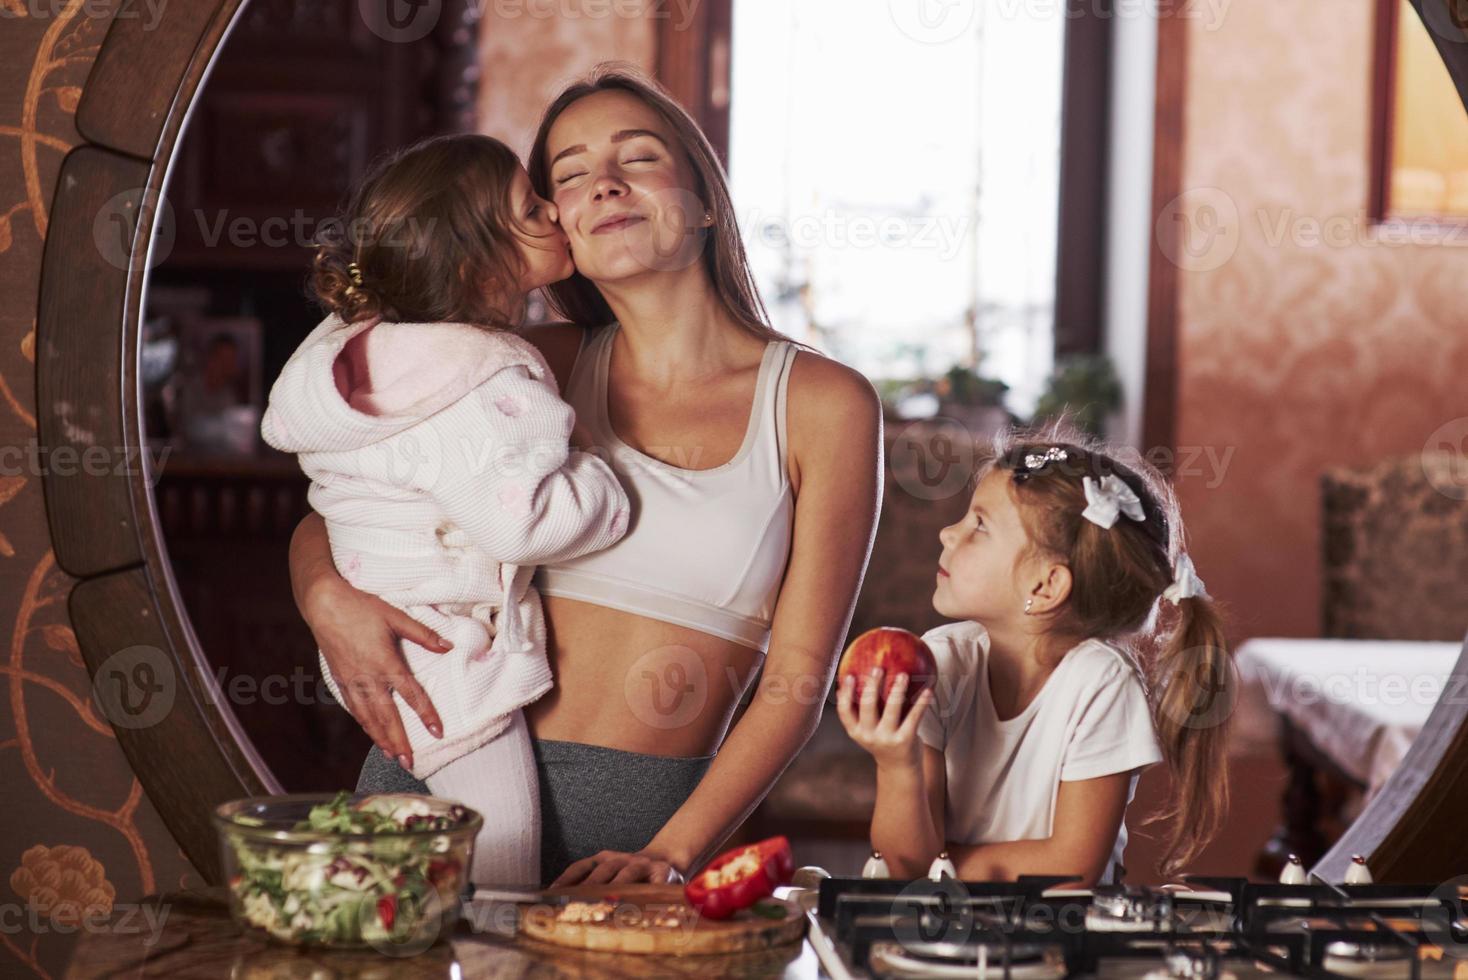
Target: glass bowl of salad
[355, 870]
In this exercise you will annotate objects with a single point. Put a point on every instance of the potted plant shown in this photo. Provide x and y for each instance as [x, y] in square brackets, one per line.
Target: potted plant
[1084, 385]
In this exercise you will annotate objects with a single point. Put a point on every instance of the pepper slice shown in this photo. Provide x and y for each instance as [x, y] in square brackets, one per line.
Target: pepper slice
[387, 910]
[740, 877]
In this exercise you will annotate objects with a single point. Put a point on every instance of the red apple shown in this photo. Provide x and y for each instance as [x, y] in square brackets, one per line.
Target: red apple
[896, 651]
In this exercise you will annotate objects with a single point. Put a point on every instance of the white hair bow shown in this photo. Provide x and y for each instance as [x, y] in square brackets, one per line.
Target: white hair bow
[1108, 500]
[1185, 581]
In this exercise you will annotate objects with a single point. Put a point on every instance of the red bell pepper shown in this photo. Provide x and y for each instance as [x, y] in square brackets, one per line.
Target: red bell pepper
[740, 877]
[387, 910]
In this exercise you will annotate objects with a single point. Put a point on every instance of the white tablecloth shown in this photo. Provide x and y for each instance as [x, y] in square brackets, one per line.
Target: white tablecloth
[1361, 702]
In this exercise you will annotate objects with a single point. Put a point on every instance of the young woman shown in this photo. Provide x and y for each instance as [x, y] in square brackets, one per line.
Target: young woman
[755, 475]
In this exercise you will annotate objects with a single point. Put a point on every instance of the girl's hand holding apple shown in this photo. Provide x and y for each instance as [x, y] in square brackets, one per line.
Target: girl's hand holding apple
[890, 737]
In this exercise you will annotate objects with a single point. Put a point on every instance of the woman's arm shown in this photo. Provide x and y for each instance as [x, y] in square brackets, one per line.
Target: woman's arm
[358, 634]
[1088, 815]
[838, 499]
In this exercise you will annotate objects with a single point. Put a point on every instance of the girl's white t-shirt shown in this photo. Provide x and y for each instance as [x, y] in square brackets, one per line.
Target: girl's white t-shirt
[1090, 719]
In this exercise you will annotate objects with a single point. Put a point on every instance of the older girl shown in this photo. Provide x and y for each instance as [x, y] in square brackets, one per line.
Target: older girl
[1060, 681]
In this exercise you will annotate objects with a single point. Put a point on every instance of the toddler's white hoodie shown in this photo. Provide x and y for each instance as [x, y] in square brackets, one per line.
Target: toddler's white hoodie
[438, 457]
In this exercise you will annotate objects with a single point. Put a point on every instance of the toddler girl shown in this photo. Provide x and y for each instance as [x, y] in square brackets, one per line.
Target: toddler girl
[436, 443]
[1058, 685]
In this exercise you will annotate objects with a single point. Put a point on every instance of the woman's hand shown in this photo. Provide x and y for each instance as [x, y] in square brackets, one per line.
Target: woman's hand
[358, 635]
[619, 868]
[893, 744]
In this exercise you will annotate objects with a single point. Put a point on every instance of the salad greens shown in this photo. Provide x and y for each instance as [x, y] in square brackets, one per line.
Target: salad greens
[353, 892]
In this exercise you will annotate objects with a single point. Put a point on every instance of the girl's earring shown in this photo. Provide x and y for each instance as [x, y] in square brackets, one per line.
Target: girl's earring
[708, 218]
[1029, 602]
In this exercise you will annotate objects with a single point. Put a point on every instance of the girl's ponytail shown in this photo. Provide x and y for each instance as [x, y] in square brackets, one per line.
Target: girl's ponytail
[1194, 688]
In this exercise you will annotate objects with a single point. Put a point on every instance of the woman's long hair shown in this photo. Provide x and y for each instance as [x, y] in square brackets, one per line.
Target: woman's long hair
[577, 298]
[1118, 576]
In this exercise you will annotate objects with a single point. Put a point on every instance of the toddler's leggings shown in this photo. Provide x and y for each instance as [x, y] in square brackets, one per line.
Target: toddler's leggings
[499, 780]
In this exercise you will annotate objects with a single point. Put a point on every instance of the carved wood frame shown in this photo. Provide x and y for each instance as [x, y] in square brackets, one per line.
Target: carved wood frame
[105, 530]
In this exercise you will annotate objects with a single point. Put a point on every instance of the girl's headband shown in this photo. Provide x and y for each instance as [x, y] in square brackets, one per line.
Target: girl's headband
[1107, 499]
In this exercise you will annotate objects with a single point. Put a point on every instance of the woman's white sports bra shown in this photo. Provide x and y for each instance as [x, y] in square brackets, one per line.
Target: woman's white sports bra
[704, 548]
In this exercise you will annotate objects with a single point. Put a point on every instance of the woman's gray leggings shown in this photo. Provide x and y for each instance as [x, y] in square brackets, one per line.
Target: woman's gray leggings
[592, 798]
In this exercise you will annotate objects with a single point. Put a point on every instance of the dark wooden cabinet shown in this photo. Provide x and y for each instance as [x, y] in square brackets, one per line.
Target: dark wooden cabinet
[227, 523]
[302, 98]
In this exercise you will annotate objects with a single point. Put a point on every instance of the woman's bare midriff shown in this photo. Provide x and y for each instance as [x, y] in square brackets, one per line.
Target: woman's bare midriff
[642, 685]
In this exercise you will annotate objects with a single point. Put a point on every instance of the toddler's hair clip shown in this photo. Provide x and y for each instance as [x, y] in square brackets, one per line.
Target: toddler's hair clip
[1035, 462]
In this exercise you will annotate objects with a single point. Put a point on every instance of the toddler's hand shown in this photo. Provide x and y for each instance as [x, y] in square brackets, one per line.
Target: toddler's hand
[891, 742]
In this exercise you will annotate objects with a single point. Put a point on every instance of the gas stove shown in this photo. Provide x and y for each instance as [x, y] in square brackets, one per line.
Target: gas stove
[1210, 928]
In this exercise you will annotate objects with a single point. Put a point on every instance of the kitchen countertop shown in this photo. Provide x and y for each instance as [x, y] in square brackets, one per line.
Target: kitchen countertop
[190, 934]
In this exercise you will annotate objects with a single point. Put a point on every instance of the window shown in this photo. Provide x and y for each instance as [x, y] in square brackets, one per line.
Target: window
[897, 183]
[1420, 142]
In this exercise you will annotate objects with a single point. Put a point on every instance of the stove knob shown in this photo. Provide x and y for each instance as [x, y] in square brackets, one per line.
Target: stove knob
[942, 866]
[809, 876]
[875, 867]
[1358, 873]
[1189, 964]
[1294, 873]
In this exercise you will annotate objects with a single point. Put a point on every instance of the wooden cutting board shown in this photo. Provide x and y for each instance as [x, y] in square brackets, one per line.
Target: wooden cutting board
[654, 920]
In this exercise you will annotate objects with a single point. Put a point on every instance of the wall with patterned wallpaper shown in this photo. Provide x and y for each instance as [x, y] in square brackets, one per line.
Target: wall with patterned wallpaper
[77, 835]
[529, 51]
[1296, 354]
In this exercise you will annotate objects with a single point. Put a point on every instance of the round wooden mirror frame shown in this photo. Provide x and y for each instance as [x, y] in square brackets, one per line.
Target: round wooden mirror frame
[105, 529]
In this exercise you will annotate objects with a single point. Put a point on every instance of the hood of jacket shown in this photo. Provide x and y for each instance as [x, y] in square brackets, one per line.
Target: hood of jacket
[352, 385]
